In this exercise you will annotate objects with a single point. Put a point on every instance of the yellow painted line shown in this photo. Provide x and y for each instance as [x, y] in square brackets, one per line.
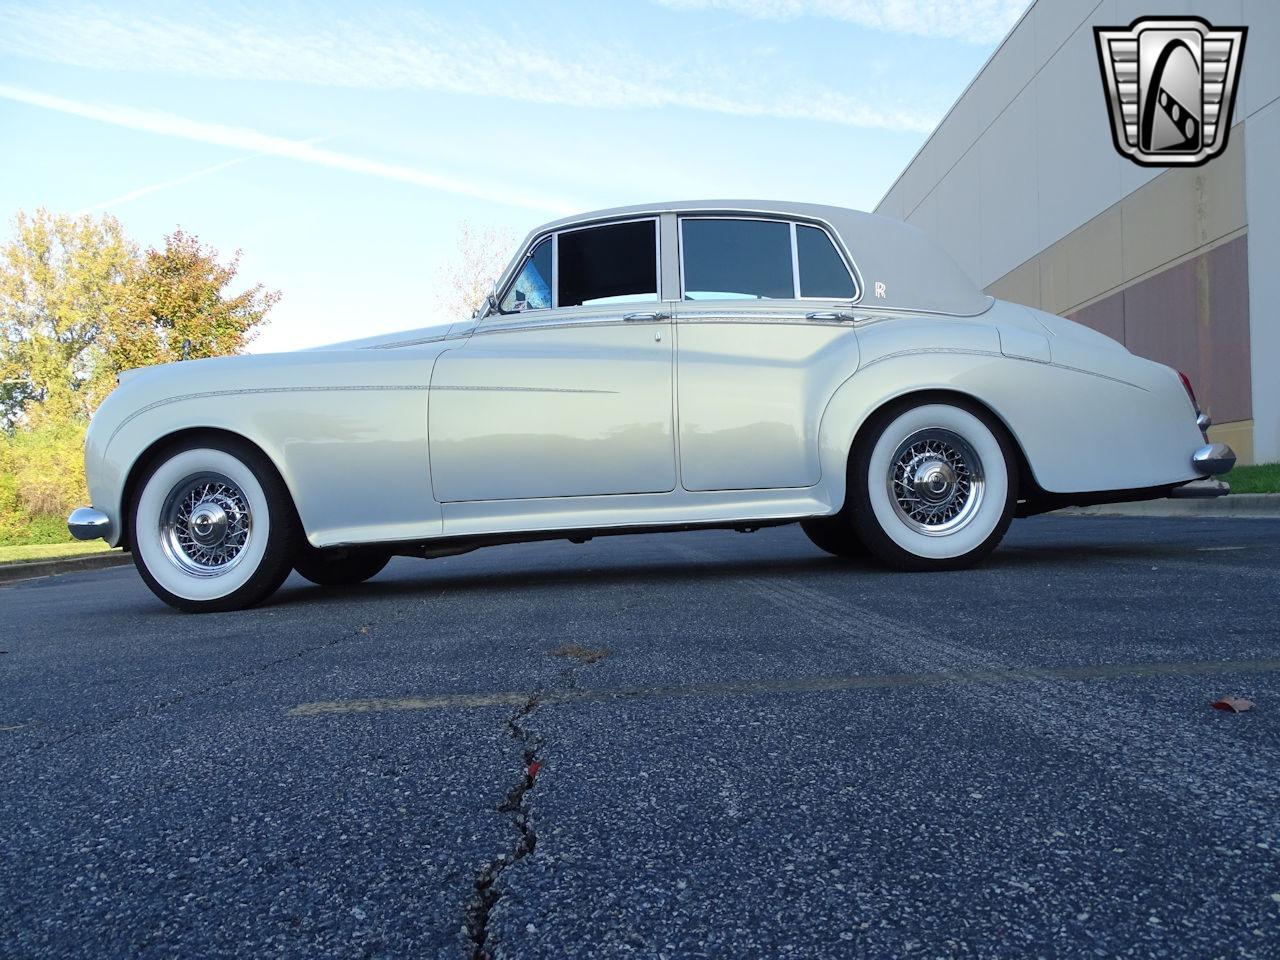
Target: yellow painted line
[381, 705]
[803, 685]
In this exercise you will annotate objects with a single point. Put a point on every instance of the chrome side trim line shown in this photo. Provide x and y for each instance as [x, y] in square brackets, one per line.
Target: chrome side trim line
[545, 324]
[1002, 356]
[86, 523]
[244, 391]
[496, 389]
[1213, 459]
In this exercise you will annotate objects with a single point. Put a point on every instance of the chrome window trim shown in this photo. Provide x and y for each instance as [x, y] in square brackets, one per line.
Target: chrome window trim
[513, 273]
[555, 271]
[795, 264]
[793, 222]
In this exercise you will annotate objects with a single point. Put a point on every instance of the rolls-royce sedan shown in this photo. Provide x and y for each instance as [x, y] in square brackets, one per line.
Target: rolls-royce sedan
[729, 364]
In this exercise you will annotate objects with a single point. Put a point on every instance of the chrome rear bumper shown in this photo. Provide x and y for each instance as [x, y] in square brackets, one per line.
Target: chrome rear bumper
[1213, 459]
[86, 523]
[1201, 489]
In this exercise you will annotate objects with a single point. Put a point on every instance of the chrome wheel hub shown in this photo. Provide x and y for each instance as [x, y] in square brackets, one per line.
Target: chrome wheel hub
[935, 482]
[205, 525]
[208, 523]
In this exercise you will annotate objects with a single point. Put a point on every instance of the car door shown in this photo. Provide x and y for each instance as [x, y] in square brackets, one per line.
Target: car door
[764, 337]
[566, 389]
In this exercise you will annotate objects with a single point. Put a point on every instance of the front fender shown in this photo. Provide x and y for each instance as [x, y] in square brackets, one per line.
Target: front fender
[348, 439]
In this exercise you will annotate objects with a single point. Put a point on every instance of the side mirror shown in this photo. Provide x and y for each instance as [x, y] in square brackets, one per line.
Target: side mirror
[489, 306]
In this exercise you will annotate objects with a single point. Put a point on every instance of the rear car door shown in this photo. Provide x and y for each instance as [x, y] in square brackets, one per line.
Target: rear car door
[764, 338]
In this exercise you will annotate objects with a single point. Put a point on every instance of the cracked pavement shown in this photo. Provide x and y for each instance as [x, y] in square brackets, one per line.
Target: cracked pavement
[780, 754]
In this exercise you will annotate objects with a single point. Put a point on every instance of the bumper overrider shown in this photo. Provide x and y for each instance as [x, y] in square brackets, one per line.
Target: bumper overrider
[1213, 459]
[86, 523]
[1209, 461]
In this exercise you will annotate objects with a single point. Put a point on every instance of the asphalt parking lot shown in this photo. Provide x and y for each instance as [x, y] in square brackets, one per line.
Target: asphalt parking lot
[706, 744]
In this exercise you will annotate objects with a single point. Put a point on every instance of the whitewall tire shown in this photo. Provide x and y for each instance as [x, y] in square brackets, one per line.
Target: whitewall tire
[933, 485]
[211, 525]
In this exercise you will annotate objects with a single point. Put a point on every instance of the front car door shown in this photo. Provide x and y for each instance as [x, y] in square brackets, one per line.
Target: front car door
[764, 338]
[566, 389]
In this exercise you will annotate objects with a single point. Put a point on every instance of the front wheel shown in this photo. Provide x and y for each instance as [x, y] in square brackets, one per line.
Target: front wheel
[212, 526]
[933, 486]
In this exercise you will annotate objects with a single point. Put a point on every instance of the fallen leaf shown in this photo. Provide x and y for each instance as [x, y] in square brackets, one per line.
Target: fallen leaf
[576, 651]
[534, 767]
[1232, 704]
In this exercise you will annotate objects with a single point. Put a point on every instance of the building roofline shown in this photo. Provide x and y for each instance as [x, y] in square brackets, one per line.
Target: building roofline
[955, 103]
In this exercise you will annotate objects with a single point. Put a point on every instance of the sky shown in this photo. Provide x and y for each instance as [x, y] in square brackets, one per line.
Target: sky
[340, 147]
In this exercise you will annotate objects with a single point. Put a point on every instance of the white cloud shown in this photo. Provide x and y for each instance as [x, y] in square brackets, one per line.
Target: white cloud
[973, 21]
[164, 185]
[416, 52]
[241, 138]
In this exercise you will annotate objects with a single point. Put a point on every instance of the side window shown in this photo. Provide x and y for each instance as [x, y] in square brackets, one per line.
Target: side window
[609, 264]
[531, 289]
[822, 271]
[736, 259]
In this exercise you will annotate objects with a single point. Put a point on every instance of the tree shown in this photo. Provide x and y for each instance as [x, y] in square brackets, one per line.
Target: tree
[79, 304]
[184, 310]
[482, 255]
[63, 281]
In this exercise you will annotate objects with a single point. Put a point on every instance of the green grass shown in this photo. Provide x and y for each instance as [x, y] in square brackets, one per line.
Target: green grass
[50, 551]
[1262, 478]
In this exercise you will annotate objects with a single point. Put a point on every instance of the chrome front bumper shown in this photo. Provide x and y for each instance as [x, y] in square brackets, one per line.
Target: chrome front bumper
[1213, 459]
[86, 523]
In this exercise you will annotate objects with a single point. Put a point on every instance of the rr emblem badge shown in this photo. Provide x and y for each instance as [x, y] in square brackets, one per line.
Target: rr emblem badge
[1171, 85]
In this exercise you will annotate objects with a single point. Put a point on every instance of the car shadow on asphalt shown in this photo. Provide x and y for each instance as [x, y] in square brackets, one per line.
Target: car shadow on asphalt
[594, 573]
[458, 582]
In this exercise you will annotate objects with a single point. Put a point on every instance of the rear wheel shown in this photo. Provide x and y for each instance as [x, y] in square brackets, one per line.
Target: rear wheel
[340, 567]
[212, 526]
[932, 486]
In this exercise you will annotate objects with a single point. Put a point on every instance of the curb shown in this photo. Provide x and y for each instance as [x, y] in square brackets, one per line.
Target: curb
[31, 569]
[1241, 505]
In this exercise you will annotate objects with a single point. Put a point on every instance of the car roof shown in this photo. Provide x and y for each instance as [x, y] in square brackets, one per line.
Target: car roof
[916, 273]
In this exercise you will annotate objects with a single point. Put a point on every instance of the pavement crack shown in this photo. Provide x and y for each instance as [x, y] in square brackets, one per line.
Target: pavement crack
[518, 802]
[486, 893]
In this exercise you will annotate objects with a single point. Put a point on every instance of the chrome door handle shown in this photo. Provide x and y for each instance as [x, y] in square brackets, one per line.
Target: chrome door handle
[829, 315]
[645, 317]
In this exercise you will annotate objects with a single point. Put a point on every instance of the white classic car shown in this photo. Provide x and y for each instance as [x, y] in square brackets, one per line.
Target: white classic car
[728, 364]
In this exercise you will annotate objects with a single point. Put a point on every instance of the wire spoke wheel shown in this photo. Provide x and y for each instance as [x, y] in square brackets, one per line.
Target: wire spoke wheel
[935, 482]
[205, 525]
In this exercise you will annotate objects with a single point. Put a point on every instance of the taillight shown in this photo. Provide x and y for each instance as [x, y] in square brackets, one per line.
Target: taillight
[1186, 384]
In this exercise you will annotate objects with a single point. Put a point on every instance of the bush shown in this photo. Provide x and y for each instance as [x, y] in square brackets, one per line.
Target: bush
[41, 481]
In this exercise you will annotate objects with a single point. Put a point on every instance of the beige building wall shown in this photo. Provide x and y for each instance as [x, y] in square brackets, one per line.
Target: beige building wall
[1023, 186]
